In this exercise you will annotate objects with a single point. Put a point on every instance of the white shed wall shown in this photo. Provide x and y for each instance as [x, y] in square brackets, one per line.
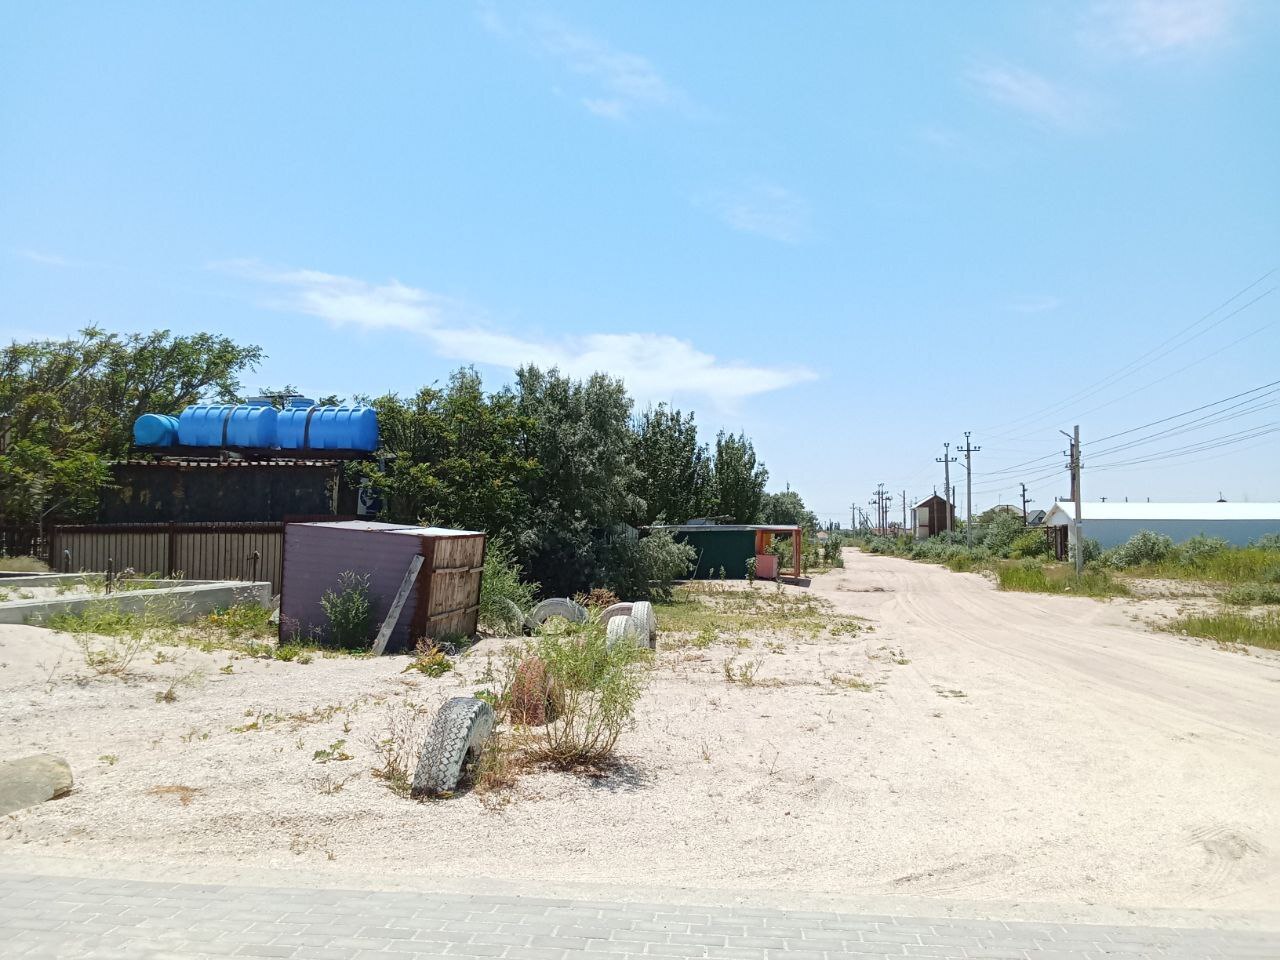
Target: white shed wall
[1113, 532]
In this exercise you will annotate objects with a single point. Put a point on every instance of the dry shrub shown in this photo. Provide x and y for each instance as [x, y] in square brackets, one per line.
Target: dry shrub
[530, 699]
[597, 599]
[598, 689]
[400, 745]
[183, 793]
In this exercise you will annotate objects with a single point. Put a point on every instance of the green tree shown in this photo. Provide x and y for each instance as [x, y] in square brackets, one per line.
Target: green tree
[788, 508]
[68, 406]
[674, 469]
[454, 458]
[579, 434]
[738, 480]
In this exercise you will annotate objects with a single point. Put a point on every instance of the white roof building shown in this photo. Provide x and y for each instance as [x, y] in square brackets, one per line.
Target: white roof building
[1113, 522]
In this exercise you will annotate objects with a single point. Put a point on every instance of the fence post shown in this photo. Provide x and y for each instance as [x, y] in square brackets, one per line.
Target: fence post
[254, 558]
[111, 569]
[170, 549]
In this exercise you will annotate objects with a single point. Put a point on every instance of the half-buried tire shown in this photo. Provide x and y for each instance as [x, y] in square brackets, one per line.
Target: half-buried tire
[615, 610]
[646, 623]
[458, 733]
[623, 630]
[557, 607]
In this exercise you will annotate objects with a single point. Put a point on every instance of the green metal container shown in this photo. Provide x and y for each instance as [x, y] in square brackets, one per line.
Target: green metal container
[730, 549]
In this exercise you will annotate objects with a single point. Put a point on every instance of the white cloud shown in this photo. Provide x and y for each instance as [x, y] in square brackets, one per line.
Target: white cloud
[45, 259]
[1150, 27]
[620, 81]
[1030, 94]
[1041, 304]
[654, 366]
[765, 209]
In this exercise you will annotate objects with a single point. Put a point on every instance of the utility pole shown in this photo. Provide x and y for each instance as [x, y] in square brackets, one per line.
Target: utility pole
[947, 460]
[969, 451]
[1025, 501]
[1077, 528]
[904, 511]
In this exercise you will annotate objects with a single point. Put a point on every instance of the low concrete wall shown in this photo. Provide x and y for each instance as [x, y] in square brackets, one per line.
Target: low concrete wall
[182, 600]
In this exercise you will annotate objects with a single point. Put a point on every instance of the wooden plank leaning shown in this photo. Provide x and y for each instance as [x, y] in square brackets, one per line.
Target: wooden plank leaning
[393, 615]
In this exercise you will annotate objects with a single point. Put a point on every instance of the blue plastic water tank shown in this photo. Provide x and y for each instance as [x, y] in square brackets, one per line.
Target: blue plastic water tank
[155, 430]
[227, 425]
[313, 427]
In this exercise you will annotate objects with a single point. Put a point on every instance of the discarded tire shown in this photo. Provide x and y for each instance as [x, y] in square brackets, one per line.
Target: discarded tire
[615, 610]
[457, 738]
[623, 630]
[645, 622]
[557, 607]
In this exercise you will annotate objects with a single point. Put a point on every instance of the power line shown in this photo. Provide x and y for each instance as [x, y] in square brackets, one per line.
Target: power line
[1155, 353]
[1206, 406]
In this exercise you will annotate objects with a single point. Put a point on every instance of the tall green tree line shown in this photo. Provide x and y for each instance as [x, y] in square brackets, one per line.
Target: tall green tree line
[562, 469]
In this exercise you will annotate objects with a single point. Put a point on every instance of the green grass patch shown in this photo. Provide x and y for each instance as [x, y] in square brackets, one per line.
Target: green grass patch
[1231, 627]
[715, 614]
[1230, 565]
[1032, 577]
[1253, 594]
[22, 565]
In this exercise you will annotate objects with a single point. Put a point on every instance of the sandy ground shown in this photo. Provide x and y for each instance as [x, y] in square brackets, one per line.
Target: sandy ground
[1013, 747]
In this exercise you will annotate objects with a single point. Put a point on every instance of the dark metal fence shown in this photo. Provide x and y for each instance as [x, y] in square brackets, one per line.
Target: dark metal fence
[194, 551]
[20, 541]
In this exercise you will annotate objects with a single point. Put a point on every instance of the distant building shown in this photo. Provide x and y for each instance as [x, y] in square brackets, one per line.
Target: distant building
[932, 516]
[1035, 518]
[1112, 523]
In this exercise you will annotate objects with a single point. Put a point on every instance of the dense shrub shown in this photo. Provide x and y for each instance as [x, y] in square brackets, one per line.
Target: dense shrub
[1032, 543]
[1000, 532]
[1092, 549]
[502, 583]
[646, 568]
[1200, 548]
[1268, 541]
[349, 612]
[1144, 548]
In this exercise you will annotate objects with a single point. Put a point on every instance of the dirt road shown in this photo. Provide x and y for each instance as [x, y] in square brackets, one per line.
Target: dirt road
[1133, 759]
[971, 746]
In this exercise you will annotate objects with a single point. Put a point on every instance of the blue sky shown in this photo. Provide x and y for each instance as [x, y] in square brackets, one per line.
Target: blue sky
[853, 230]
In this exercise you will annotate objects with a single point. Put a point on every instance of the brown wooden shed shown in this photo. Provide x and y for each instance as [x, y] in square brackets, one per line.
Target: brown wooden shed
[443, 598]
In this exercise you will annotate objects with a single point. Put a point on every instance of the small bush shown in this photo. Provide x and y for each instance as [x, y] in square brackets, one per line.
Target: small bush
[598, 687]
[243, 620]
[429, 660]
[503, 583]
[349, 611]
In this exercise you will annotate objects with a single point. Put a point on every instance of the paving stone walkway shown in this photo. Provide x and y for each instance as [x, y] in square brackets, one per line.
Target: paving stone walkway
[69, 918]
